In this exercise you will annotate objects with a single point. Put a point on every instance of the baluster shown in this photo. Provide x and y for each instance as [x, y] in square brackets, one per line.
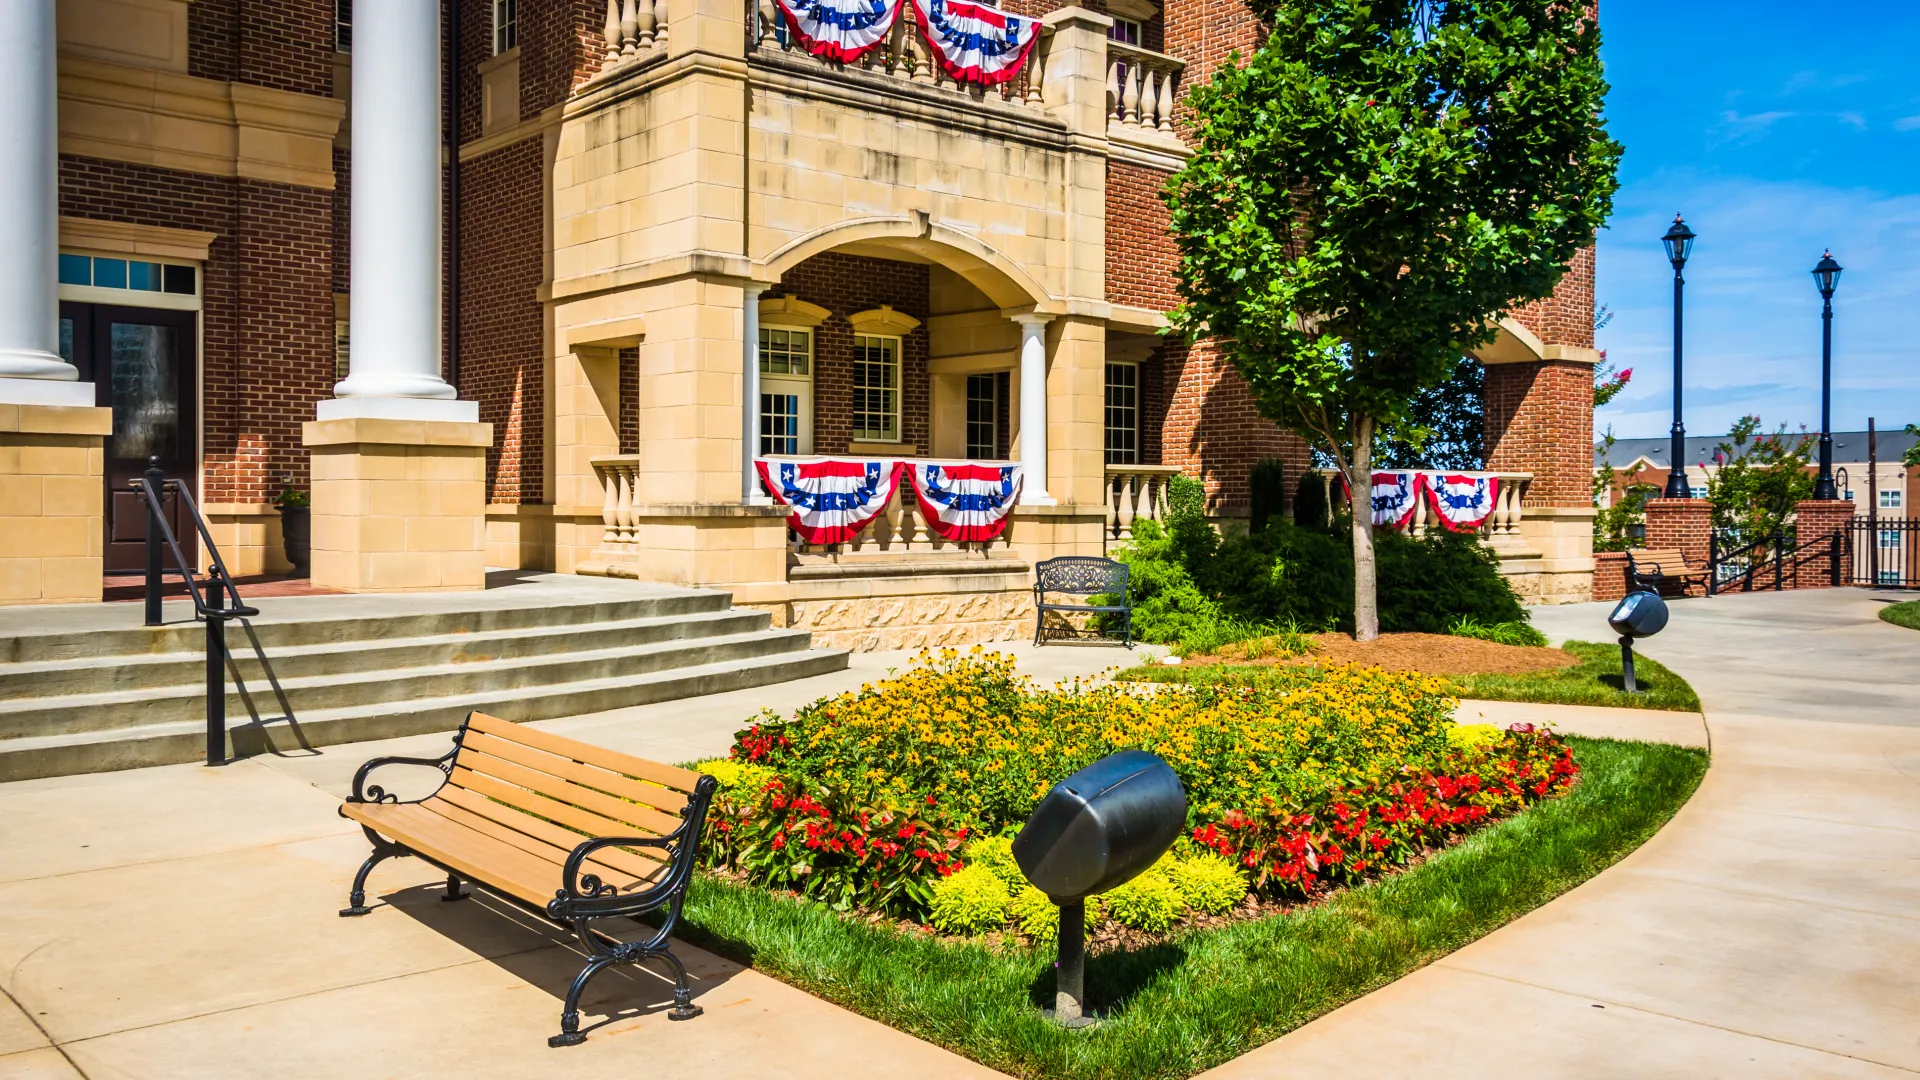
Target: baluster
[897, 49]
[1163, 109]
[1113, 512]
[643, 24]
[629, 29]
[883, 526]
[1036, 70]
[908, 527]
[1130, 104]
[764, 15]
[659, 21]
[1129, 491]
[611, 31]
[1152, 83]
[1115, 92]
[609, 507]
[922, 61]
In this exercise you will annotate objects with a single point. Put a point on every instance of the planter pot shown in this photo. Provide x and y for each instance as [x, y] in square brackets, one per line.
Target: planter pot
[296, 532]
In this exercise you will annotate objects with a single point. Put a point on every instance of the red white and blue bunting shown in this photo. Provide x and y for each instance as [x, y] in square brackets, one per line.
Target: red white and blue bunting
[973, 42]
[1462, 503]
[1395, 497]
[964, 501]
[831, 500]
[843, 30]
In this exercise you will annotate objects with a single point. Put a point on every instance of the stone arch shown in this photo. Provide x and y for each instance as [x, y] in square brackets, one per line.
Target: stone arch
[1513, 344]
[1003, 280]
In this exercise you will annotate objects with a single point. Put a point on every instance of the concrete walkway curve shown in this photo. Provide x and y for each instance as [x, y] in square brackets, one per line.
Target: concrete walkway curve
[1772, 929]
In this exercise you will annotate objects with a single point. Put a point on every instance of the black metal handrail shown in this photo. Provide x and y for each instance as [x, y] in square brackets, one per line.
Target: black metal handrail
[151, 485]
[1777, 541]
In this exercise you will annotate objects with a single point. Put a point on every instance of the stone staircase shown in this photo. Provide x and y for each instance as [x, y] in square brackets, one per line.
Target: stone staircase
[87, 689]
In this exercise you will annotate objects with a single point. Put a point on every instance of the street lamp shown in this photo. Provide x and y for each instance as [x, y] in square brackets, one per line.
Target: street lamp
[1826, 276]
[1679, 244]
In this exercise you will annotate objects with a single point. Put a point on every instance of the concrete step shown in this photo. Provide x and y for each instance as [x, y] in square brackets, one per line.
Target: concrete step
[325, 621]
[177, 741]
[299, 697]
[93, 674]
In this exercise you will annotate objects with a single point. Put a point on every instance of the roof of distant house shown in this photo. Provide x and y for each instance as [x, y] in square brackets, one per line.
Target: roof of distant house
[1847, 446]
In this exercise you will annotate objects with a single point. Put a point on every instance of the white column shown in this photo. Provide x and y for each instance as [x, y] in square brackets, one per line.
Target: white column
[31, 371]
[1033, 407]
[750, 393]
[397, 257]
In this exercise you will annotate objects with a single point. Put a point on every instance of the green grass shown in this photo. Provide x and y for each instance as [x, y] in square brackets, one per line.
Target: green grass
[1907, 614]
[1205, 997]
[1596, 680]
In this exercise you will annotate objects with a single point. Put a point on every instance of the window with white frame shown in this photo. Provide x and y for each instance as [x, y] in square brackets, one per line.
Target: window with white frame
[1890, 498]
[983, 416]
[876, 388]
[786, 390]
[1697, 492]
[1125, 31]
[1889, 538]
[1123, 413]
[506, 30]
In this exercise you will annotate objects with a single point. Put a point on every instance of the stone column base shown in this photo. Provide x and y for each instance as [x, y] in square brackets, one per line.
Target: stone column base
[399, 505]
[52, 503]
[249, 538]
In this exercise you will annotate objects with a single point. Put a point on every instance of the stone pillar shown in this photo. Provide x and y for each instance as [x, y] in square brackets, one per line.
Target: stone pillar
[1816, 523]
[399, 463]
[1033, 408]
[750, 393]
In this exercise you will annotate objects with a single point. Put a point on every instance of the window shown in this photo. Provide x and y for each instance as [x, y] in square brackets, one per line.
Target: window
[1889, 577]
[505, 25]
[133, 275]
[1123, 413]
[1889, 538]
[786, 390]
[1697, 492]
[341, 367]
[983, 416]
[1890, 499]
[343, 25]
[1125, 31]
[876, 388]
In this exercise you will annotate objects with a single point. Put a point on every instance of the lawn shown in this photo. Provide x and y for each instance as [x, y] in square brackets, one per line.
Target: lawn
[1906, 614]
[1205, 996]
[1595, 680]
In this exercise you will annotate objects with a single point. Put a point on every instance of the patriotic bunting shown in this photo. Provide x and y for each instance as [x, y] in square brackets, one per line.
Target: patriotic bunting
[973, 42]
[843, 30]
[1395, 496]
[962, 502]
[1463, 503]
[831, 500]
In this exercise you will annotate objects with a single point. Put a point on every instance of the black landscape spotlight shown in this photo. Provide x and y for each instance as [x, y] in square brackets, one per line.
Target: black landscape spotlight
[1639, 614]
[1097, 829]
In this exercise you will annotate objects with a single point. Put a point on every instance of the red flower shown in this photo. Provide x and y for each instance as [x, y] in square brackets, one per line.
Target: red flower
[779, 842]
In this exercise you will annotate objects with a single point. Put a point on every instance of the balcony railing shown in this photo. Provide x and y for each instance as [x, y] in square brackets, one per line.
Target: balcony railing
[633, 29]
[902, 56]
[1501, 525]
[1142, 87]
[1136, 493]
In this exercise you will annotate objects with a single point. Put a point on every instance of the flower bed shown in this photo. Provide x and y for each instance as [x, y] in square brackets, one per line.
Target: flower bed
[899, 798]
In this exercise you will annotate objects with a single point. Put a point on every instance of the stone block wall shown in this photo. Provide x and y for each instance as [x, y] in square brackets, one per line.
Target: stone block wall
[51, 503]
[398, 506]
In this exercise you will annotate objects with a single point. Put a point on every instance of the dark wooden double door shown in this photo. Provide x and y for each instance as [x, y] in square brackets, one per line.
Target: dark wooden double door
[144, 365]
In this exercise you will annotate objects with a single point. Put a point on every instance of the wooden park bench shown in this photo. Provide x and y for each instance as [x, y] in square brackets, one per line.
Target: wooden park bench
[1080, 575]
[1652, 567]
[575, 832]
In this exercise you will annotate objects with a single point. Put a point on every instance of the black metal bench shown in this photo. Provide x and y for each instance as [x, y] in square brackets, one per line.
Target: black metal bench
[578, 833]
[1080, 575]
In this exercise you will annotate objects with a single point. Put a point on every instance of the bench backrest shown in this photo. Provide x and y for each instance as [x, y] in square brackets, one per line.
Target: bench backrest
[506, 772]
[1080, 575]
[1669, 560]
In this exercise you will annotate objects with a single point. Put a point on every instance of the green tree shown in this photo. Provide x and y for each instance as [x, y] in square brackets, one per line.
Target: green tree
[1759, 478]
[1613, 522]
[1370, 190]
[1912, 456]
[1445, 425]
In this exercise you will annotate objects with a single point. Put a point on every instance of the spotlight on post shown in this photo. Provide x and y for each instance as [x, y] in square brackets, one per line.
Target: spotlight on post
[1639, 614]
[1096, 829]
[1679, 245]
[1826, 277]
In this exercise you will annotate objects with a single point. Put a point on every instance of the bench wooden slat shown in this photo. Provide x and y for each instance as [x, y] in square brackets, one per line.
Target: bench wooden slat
[608, 863]
[682, 780]
[535, 803]
[477, 857]
[642, 819]
[461, 805]
[660, 798]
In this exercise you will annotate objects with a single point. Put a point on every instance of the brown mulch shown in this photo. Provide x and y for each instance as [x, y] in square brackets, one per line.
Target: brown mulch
[1434, 654]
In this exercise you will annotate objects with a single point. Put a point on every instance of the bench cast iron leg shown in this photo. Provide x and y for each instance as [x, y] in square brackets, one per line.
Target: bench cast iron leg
[453, 888]
[357, 899]
[570, 1016]
[683, 1006]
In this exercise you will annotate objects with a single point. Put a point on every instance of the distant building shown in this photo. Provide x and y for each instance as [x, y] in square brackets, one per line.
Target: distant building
[1897, 490]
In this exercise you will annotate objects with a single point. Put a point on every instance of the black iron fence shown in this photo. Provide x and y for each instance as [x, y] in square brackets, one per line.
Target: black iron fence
[1886, 553]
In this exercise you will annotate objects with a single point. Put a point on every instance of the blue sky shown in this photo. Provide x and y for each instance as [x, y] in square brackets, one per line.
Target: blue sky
[1778, 129]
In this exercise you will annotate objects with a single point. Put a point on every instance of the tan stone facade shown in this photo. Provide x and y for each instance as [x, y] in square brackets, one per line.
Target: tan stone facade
[398, 506]
[50, 503]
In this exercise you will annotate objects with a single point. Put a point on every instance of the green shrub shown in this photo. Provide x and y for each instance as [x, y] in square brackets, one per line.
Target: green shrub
[1266, 493]
[1208, 882]
[1035, 915]
[1428, 581]
[1186, 497]
[1506, 633]
[996, 854]
[1149, 902]
[970, 901]
[1310, 509]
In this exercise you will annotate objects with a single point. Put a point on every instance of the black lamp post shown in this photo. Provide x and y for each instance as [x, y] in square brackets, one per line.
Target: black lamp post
[1826, 275]
[1679, 244]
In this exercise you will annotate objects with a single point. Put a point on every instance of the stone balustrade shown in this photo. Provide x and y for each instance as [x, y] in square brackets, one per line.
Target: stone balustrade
[1142, 87]
[619, 476]
[1502, 526]
[903, 56]
[1134, 493]
[633, 29]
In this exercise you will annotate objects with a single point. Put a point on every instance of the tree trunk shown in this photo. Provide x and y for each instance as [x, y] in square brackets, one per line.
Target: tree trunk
[1366, 601]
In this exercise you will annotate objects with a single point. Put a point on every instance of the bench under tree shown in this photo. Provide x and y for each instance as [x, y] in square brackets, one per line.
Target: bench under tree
[1084, 576]
[578, 833]
[1651, 568]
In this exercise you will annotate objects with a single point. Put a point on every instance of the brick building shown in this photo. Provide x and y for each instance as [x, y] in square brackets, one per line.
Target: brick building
[662, 241]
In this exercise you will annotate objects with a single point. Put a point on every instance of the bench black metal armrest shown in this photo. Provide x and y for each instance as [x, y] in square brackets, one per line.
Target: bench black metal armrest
[586, 896]
[362, 793]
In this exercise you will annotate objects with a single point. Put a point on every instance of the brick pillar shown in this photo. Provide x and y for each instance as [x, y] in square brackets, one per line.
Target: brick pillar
[1686, 524]
[1815, 522]
[1539, 420]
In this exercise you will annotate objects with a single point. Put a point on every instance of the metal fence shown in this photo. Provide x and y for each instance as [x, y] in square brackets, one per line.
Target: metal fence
[1886, 552]
[1738, 556]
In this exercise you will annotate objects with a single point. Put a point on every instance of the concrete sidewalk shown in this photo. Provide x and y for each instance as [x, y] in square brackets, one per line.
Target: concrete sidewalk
[1771, 930]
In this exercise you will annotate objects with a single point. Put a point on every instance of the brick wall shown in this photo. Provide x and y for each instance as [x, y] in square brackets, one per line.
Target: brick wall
[1609, 575]
[284, 44]
[501, 317]
[1212, 430]
[1566, 317]
[845, 284]
[1539, 419]
[1686, 524]
[1141, 256]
